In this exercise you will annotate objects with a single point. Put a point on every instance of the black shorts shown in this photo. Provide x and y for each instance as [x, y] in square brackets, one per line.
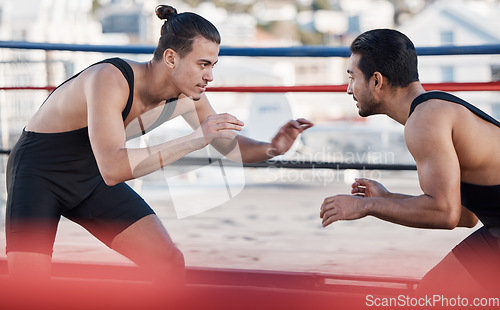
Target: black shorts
[54, 174]
[479, 253]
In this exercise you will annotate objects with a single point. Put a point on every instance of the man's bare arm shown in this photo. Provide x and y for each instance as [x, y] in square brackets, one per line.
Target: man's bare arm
[243, 148]
[429, 140]
[116, 162]
[370, 188]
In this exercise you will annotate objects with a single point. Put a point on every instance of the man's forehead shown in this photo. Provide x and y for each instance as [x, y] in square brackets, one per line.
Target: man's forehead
[352, 63]
[205, 49]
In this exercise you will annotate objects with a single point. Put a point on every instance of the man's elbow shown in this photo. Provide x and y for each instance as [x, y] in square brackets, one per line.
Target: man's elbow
[110, 180]
[114, 167]
[450, 219]
[449, 225]
[111, 177]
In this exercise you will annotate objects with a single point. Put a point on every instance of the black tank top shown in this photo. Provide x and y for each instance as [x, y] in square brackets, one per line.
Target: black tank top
[168, 108]
[482, 200]
[128, 73]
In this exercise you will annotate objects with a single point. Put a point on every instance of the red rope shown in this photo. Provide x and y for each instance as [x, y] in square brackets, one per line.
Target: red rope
[484, 86]
[48, 88]
[477, 86]
[280, 89]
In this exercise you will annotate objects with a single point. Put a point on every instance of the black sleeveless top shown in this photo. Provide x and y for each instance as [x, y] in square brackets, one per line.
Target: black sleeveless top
[482, 200]
[168, 108]
[128, 73]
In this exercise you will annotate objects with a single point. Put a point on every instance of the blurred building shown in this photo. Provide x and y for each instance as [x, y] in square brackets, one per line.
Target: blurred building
[62, 21]
[446, 23]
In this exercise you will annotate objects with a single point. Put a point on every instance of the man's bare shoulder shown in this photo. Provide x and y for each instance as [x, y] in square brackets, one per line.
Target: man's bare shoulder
[105, 74]
[432, 115]
[430, 126]
[438, 124]
[106, 91]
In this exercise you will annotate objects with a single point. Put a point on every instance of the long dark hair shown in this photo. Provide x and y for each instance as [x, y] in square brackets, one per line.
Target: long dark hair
[179, 31]
[389, 52]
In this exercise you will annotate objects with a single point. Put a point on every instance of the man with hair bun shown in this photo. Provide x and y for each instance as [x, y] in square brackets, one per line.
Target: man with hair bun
[72, 160]
[456, 147]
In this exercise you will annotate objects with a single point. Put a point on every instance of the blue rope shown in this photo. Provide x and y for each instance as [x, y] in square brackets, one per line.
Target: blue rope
[296, 51]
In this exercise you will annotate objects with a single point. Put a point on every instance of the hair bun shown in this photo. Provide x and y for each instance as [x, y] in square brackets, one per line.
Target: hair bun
[165, 11]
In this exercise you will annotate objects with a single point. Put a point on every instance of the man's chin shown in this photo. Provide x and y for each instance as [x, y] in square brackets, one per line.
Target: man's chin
[197, 96]
[194, 98]
[364, 113]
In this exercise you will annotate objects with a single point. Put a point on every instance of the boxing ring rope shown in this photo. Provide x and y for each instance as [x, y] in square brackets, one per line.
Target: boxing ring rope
[451, 87]
[296, 51]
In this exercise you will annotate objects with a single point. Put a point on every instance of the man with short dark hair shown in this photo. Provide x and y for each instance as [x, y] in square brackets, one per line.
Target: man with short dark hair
[457, 151]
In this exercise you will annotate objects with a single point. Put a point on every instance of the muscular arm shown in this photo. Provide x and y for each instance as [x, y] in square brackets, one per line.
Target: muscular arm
[369, 188]
[107, 134]
[256, 151]
[429, 139]
[243, 148]
[105, 124]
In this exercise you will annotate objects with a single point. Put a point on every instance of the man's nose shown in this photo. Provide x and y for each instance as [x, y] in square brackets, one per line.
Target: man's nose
[209, 76]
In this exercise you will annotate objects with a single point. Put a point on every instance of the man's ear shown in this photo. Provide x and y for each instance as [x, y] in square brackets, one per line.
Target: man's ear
[378, 80]
[170, 57]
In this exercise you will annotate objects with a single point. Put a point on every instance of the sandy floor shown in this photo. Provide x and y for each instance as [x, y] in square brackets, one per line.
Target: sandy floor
[274, 224]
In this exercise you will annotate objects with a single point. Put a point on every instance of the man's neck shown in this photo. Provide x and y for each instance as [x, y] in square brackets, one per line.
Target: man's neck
[400, 99]
[156, 86]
